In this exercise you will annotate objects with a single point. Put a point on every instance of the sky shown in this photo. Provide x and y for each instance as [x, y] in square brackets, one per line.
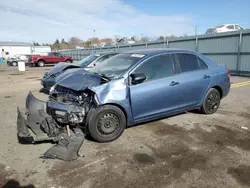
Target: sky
[45, 21]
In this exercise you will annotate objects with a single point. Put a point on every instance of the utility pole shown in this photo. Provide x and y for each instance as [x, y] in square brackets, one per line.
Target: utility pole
[196, 38]
[165, 36]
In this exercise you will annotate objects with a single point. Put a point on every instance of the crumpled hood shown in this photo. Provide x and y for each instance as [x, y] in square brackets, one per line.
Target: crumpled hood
[80, 80]
[62, 66]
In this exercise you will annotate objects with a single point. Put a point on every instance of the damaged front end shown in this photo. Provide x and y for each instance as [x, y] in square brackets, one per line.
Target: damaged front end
[59, 122]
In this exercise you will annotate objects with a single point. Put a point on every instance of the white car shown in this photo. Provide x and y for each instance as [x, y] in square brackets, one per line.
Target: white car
[225, 28]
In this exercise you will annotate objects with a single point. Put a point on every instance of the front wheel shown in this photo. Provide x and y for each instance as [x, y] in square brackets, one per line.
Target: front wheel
[68, 61]
[212, 101]
[41, 63]
[106, 123]
[14, 64]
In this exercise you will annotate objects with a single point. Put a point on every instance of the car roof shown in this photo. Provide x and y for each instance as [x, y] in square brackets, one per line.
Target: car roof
[149, 52]
[106, 53]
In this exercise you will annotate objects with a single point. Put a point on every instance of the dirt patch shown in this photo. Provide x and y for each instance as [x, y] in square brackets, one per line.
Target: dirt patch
[225, 112]
[244, 114]
[7, 97]
[241, 174]
[16, 74]
[144, 158]
[34, 77]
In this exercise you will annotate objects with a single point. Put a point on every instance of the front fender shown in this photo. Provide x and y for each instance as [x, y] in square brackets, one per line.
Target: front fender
[114, 93]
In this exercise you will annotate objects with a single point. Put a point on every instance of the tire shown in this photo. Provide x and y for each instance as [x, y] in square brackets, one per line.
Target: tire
[211, 102]
[106, 123]
[14, 64]
[41, 63]
[68, 61]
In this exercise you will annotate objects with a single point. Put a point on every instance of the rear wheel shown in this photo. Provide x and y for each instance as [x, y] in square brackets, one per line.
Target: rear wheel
[107, 123]
[14, 63]
[40, 63]
[212, 101]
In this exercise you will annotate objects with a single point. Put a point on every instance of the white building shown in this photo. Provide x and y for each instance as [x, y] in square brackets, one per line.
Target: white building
[8, 49]
[40, 49]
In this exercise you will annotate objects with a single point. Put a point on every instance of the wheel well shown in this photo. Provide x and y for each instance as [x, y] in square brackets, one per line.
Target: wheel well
[219, 89]
[40, 60]
[68, 60]
[117, 105]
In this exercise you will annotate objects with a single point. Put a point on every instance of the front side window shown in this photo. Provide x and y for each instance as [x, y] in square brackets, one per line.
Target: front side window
[115, 66]
[157, 67]
[57, 54]
[188, 62]
[239, 28]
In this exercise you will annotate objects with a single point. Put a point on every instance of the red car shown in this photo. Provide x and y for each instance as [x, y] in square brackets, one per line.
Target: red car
[51, 58]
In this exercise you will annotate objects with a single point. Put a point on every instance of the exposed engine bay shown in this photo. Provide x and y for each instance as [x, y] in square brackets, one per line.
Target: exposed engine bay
[61, 120]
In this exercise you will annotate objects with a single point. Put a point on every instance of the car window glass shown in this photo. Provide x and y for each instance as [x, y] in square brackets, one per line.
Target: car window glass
[202, 64]
[230, 27]
[49, 54]
[102, 58]
[157, 67]
[57, 54]
[238, 27]
[188, 62]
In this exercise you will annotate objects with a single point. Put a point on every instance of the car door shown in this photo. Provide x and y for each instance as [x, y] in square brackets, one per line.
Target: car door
[194, 80]
[158, 94]
[58, 57]
[50, 58]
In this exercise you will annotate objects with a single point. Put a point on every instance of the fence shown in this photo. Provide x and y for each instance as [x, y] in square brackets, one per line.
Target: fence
[230, 49]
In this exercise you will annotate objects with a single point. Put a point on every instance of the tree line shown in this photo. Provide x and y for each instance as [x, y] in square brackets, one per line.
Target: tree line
[75, 42]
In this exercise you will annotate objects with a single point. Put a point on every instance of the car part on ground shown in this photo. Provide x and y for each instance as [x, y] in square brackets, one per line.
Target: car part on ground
[36, 126]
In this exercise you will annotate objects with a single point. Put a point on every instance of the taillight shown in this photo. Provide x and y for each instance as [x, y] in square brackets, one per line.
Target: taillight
[228, 73]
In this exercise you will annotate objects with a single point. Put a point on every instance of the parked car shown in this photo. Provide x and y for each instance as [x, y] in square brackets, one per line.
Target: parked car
[225, 28]
[14, 60]
[51, 77]
[51, 58]
[126, 89]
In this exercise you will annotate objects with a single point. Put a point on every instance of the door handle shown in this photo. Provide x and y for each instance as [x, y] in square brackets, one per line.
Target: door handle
[173, 83]
[206, 77]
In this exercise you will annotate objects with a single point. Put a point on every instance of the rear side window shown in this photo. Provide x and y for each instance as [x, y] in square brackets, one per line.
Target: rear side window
[230, 27]
[188, 62]
[202, 64]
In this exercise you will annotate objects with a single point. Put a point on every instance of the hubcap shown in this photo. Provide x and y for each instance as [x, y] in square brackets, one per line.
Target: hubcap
[108, 123]
[213, 101]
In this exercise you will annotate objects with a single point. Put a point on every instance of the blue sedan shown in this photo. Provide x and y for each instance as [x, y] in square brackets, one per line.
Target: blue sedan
[135, 87]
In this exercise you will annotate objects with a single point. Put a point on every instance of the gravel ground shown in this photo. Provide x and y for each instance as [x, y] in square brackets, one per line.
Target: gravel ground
[186, 150]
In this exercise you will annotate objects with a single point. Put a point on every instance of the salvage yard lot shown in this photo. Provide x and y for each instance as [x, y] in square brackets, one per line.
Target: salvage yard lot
[186, 150]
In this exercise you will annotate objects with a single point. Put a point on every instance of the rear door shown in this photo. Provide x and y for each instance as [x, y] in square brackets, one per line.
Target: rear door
[58, 57]
[194, 80]
[230, 28]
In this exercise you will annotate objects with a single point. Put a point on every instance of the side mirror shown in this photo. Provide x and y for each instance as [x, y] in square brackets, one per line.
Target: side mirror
[138, 78]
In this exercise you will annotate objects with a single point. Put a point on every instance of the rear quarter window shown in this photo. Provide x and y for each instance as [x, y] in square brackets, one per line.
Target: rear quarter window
[202, 64]
[188, 62]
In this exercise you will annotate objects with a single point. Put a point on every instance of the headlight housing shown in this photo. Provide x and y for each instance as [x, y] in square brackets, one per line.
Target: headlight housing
[52, 89]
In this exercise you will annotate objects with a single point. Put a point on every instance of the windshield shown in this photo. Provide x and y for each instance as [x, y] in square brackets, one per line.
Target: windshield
[115, 66]
[87, 60]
